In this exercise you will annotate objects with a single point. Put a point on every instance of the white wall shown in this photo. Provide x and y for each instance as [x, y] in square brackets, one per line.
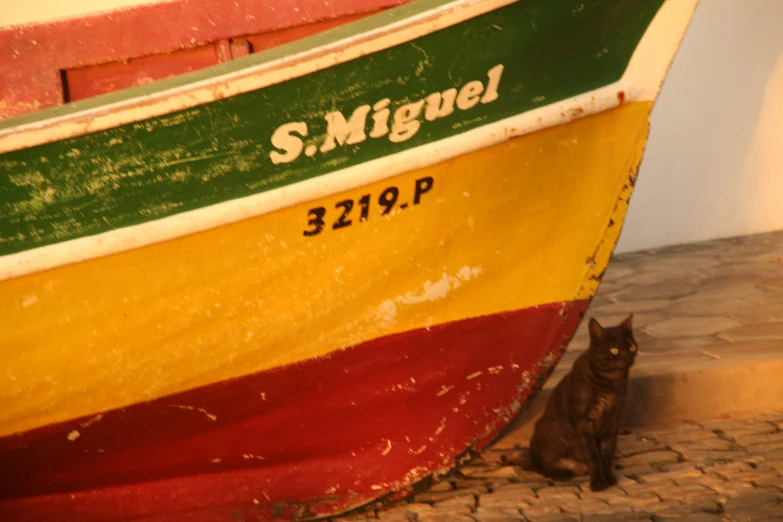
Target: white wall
[714, 163]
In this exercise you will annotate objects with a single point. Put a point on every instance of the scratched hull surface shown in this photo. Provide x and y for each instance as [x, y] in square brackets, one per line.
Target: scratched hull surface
[211, 314]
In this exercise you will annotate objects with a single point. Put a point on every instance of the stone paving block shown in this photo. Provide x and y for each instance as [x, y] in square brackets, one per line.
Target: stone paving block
[693, 327]
[726, 468]
[440, 496]
[403, 512]
[751, 498]
[748, 430]
[682, 492]
[675, 476]
[682, 429]
[484, 514]
[702, 457]
[460, 482]
[398, 516]
[650, 457]
[457, 503]
[637, 502]
[711, 481]
[698, 517]
[509, 498]
[615, 517]
[702, 305]
[769, 313]
[671, 509]
[772, 454]
[592, 506]
[554, 517]
[771, 284]
[757, 513]
[772, 464]
[445, 517]
[634, 472]
[758, 475]
[618, 271]
[605, 495]
[712, 443]
[627, 307]
[534, 513]
[765, 448]
[639, 489]
[683, 262]
[664, 276]
[630, 445]
[731, 488]
[655, 292]
[771, 481]
[555, 493]
[753, 332]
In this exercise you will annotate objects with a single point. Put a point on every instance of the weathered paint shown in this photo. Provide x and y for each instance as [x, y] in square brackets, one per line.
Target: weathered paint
[168, 317]
[222, 151]
[38, 52]
[246, 445]
[486, 257]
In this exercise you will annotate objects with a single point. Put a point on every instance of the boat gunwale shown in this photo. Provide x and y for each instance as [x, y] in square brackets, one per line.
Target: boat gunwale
[280, 64]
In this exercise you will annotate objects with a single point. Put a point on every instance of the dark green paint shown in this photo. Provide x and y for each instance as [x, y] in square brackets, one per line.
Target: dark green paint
[553, 49]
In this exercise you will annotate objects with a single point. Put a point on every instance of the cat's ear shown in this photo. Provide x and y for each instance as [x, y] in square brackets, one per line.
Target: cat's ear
[628, 323]
[596, 330]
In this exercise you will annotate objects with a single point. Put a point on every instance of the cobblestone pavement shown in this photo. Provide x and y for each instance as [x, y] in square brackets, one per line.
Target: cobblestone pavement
[729, 470]
[707, 300]
[696, 304]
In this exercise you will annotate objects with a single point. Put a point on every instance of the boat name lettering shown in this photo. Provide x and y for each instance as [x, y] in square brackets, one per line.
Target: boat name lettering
[405, 123]
[387, 199]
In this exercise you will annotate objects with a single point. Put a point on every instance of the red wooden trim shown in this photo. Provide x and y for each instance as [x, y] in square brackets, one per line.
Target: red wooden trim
[84, 82]
[31, 57]
[335, 431]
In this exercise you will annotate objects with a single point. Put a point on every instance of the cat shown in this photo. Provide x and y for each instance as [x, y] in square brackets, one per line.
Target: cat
[577, 433]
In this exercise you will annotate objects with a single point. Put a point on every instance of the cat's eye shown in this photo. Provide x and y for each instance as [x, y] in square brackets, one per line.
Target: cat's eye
[632, 347]
[614, 351]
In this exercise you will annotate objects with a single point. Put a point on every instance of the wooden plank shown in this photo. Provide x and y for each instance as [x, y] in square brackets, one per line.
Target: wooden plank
[37, 53]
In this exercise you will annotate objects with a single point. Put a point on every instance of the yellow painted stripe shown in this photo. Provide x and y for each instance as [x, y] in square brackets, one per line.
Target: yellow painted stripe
[511, 226]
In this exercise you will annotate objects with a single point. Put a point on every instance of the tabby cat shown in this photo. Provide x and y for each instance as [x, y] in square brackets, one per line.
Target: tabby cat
[578, 430]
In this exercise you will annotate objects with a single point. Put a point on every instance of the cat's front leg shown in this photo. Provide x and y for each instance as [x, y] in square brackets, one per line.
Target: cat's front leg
[608, 446]
[598, 481]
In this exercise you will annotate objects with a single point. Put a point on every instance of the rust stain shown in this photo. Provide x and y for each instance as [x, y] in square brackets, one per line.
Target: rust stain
[621, 97]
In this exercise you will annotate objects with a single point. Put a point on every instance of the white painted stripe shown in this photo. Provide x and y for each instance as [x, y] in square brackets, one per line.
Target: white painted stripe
[641, 82]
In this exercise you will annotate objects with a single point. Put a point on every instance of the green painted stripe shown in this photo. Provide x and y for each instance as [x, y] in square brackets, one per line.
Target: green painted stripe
[550, 50]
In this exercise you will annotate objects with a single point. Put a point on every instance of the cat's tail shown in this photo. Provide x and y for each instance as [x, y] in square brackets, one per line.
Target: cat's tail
[524, 460]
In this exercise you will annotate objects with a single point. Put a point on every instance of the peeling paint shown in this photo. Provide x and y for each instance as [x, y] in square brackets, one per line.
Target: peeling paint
[444, 390]
[209, 416]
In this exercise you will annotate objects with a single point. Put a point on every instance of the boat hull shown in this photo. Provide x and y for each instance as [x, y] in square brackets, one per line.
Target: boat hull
[302, 281]
[410, 337]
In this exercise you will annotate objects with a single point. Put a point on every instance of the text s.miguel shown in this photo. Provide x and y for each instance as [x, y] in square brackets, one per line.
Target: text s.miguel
[404, 124]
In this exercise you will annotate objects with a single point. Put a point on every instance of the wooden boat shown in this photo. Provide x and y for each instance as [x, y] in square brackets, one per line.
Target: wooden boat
[301, 279]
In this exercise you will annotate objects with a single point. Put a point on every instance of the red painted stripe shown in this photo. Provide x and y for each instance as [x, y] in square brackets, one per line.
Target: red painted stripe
[333, 432]
[32, 56]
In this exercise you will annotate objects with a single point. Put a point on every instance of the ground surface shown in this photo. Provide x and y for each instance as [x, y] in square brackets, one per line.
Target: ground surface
[705, 472]
[709, 323]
